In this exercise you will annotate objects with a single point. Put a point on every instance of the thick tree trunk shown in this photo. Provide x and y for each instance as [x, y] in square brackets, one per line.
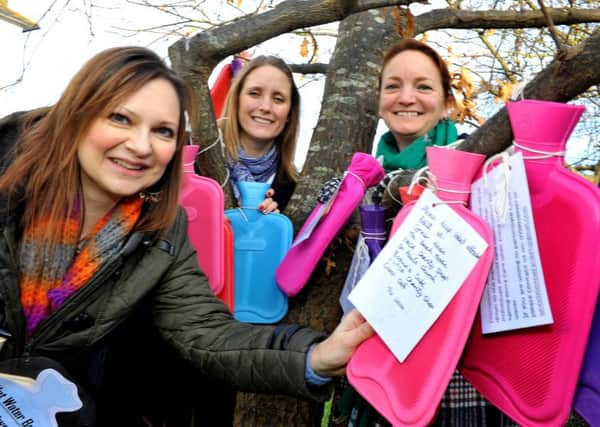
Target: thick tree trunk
[346, 125]
[195, 58]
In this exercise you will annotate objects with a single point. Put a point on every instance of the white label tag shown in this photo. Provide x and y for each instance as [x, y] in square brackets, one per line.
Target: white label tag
[515, 295]
[417, 273]
[360, 263]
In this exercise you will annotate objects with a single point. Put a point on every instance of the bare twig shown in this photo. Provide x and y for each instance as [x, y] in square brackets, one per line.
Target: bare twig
[496, 55]
[560, 46]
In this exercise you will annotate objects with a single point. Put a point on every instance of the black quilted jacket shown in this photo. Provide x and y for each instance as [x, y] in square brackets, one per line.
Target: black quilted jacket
[155, 283]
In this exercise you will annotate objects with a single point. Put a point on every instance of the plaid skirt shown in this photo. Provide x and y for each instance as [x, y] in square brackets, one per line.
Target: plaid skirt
[461, 406]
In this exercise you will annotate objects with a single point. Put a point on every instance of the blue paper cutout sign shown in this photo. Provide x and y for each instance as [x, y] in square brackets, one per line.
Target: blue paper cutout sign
[36, 405]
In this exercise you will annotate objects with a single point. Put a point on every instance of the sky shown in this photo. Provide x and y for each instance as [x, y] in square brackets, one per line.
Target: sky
[37, 65]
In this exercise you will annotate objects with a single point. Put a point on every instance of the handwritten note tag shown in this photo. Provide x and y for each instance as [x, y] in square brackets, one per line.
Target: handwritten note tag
[515, 295]
[417, 273]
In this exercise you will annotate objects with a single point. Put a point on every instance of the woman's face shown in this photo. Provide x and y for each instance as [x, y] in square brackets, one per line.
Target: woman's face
[411, 101]
[264, 105]
[128, 148]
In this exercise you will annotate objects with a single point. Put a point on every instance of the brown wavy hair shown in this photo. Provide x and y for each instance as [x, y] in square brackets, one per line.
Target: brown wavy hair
[45, 173]
[286, 140]
[412, 44]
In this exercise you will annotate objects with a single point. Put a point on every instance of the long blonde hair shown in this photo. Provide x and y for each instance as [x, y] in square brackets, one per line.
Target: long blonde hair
[45, 173]
[286, 140]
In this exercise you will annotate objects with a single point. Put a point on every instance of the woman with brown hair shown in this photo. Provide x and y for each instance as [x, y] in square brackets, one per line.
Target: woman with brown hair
[95, 257]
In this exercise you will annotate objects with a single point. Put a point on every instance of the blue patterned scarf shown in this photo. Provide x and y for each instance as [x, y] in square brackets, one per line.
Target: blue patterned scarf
[256, 169]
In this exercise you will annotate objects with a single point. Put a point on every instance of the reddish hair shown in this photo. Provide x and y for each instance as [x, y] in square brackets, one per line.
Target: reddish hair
[412, 44]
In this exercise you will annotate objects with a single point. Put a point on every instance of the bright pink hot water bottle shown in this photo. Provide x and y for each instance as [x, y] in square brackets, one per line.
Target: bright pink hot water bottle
[531, 374]
[408, 393]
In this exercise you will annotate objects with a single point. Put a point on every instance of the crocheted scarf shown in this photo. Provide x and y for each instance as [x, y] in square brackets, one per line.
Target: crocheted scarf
[413, 156]
[50, 275]
[256, 169]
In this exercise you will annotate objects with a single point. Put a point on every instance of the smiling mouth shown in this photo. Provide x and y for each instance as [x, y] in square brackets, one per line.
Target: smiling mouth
[407, 114]
[262, 121]
[127, 165]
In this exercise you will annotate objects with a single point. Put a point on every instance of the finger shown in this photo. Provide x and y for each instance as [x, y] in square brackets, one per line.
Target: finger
[364, 331]
[352, 320]
[273, 207]
[266, 205]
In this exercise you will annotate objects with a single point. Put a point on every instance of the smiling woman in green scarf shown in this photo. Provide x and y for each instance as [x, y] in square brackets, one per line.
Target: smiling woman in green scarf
[414, 99]
[415, 96]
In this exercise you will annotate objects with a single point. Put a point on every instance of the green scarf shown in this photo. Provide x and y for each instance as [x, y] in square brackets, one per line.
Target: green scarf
[413, 156]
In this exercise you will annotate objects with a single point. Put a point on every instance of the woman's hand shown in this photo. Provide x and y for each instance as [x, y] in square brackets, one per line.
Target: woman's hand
[330, 357]
[268, 205]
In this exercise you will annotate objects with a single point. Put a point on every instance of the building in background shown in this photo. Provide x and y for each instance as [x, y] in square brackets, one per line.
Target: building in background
[12, 17]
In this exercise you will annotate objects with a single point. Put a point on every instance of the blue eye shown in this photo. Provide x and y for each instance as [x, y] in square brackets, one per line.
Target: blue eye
[119, 118]
[165, 132]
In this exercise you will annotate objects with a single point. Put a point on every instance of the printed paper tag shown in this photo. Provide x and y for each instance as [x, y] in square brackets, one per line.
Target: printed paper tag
[417, 273]
[515, 295]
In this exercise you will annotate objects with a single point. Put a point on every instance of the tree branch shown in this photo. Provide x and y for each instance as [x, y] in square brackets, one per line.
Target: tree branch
[483, 37]
[467, 19]
[561, 81]
[560, 46]
[317, 68]
[290, 15]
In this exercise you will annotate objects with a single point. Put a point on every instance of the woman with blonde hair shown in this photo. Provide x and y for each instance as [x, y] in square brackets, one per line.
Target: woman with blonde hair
[94, 254]
[260, 124]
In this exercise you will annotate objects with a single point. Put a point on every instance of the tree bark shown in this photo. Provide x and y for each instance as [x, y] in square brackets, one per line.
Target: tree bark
[471, 19]
[346, 125]
[195, 58]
